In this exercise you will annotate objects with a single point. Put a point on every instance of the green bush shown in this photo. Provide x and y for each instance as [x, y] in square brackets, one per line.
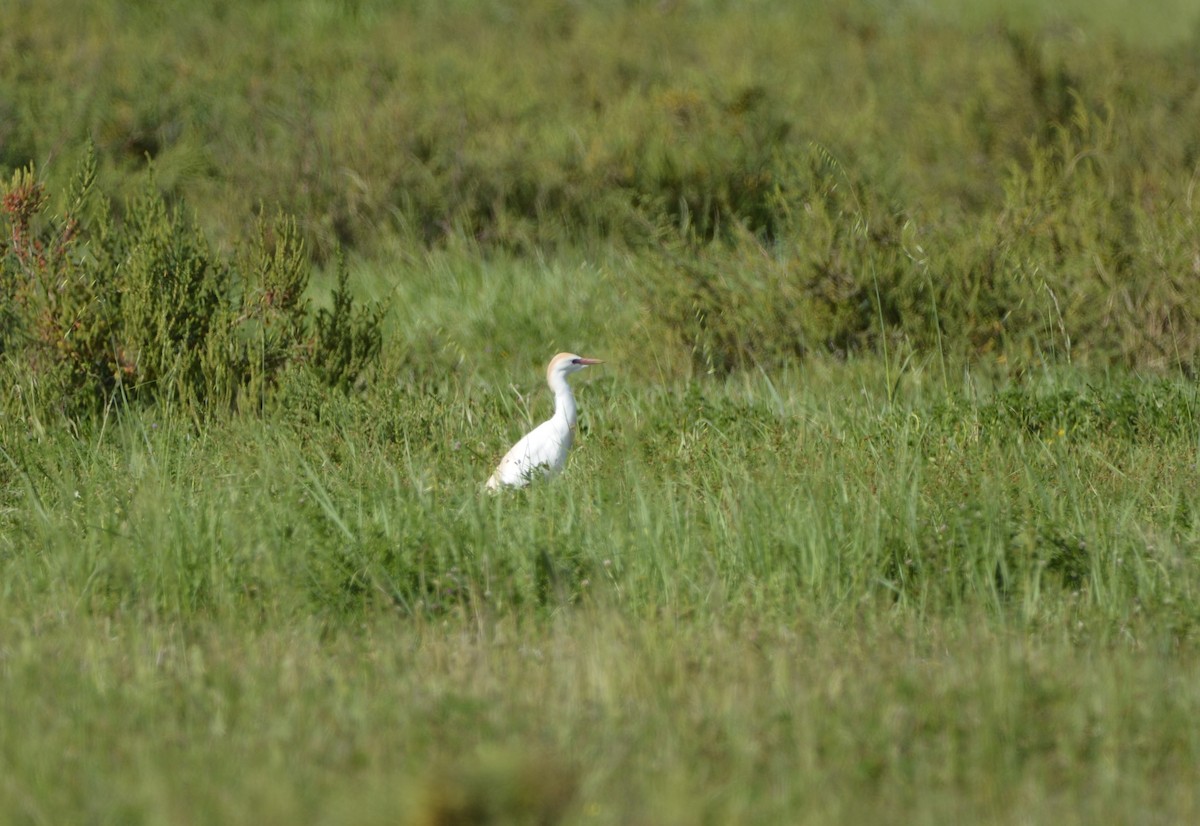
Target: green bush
[1088, 256]
[834, 275]
[1010, 183]
[100, 309]
[1091, 256]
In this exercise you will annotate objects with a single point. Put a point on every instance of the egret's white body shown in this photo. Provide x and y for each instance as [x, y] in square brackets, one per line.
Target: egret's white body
[544, 449]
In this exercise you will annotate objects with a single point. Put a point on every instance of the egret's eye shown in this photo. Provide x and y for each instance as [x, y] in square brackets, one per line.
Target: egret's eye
[575, 361]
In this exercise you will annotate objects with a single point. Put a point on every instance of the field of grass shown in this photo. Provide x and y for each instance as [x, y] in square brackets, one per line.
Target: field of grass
[764, 601]
[883, 507]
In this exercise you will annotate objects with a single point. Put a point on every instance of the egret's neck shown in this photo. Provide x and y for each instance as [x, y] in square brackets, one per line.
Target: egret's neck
[564, 399]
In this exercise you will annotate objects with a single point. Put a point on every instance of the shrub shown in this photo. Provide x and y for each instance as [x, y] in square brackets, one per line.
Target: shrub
[100, 310]
[1087, 257]
[825, 284]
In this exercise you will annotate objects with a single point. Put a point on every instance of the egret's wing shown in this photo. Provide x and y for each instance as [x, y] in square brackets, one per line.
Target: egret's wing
[543, 448]
[514, 468]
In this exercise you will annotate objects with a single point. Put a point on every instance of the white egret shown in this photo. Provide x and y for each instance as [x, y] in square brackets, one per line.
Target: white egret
[544, 449]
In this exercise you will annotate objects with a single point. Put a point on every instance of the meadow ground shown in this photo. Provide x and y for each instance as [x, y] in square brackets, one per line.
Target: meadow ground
[883, 508]
[784, 600]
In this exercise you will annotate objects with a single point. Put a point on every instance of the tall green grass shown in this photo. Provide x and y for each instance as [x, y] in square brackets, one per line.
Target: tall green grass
[883, 506]
[807, 598]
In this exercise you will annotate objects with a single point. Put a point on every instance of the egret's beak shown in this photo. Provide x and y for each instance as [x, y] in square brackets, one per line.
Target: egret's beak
[588, 362]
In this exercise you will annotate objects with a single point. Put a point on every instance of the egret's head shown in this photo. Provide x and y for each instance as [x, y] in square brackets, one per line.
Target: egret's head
[566, 363]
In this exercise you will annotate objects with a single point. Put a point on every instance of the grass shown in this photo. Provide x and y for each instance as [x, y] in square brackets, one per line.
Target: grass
[773, 601]
[882, 508]
[604, 719]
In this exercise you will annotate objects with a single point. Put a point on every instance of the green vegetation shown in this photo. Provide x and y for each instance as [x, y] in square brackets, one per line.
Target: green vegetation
[98, 313]
[884, 506]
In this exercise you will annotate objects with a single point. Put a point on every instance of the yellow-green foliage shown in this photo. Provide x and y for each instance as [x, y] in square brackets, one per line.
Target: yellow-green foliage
[832, 278]
[141, 307]
[992, 180]
[1082, 258]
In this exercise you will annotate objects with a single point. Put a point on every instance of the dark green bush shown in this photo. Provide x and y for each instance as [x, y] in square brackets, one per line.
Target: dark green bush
[834, 274]
[1088, 257]
[99, 310]
[347, 338]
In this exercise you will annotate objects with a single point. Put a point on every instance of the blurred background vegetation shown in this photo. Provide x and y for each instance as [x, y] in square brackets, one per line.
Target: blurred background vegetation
[884, 506]
[754, 183]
